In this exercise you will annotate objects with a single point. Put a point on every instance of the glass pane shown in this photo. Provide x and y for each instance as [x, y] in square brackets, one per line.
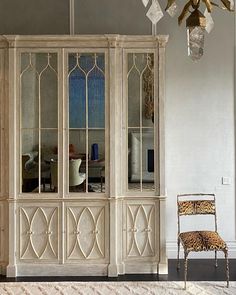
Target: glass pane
[148, 92]
[29, 80]
[148, 160]
[77, 160]
[86, 77]
[134, 169]
[141, 160]
[30, 161]
[39, 109]
[96, 164]
[77, 93]
[133, 100]
[49, 160]
[96, 93]
[140, 79]
[48, 90]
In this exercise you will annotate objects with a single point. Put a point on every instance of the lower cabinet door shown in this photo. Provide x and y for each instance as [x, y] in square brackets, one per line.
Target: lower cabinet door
[38, 232]
[86, 232]
[140, 230]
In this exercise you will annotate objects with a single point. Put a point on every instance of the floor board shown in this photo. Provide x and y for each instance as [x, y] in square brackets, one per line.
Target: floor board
[198, 270]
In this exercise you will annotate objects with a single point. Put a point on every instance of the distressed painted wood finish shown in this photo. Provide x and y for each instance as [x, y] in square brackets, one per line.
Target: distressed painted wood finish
[64, 233]
[4, 151]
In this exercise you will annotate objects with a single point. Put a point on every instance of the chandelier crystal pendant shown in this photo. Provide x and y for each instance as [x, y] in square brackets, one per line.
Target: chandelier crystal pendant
[197, 23]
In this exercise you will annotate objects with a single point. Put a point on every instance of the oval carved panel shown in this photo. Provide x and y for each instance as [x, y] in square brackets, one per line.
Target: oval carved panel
[140, 230]
[39, 233]
[86, 232]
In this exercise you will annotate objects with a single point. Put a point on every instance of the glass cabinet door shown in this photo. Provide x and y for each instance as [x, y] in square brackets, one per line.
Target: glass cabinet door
[38, 121]
[140, 123]
[39, 131]
[86, 85]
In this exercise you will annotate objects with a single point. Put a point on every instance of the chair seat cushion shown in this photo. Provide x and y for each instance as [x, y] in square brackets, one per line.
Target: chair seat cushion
[202, 241]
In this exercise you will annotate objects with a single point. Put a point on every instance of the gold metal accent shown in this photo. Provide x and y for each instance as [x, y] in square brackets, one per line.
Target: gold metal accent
[196, 19]
[184, 12]
[195, 5]
[169, 4]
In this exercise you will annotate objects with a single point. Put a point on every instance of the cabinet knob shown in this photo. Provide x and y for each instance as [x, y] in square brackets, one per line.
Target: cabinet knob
[76, 232]
[148, 230]
[134, 230]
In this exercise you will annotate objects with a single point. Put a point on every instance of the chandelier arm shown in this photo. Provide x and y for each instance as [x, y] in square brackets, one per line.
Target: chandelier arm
[208, 5]
[218, 6]
[169, 4]
[184, 12]
[227, 4]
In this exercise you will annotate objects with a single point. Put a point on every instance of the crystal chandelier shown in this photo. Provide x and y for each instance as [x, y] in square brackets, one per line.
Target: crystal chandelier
[197, 23]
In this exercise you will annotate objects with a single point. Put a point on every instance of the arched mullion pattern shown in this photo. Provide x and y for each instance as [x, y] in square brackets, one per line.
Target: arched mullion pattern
[37, 65]
[86, 78]
[139, 67]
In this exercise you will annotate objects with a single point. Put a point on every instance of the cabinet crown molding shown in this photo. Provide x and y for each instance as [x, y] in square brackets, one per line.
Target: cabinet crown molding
[67, 41]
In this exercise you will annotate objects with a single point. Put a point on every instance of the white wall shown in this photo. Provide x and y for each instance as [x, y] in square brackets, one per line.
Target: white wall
[200, 123]
[199, 100]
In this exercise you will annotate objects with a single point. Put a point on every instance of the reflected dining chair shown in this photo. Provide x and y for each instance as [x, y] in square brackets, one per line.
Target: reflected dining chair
[30, 170]
[196, 241]
[75, 177]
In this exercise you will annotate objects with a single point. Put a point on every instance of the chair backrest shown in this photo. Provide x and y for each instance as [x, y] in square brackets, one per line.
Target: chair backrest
[74, 177]
[196, 207]
[29, 166]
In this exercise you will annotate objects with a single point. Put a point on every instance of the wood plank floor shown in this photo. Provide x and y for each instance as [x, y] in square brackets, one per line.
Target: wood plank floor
[198, 270]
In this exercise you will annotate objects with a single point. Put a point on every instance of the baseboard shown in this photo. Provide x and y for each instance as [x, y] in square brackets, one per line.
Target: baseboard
[172, 251]
[141, 268]
[11, 271]
[39, 270]
[3, 269]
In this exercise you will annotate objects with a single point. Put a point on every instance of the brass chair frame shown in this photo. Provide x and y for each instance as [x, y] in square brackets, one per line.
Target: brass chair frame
[194, 210]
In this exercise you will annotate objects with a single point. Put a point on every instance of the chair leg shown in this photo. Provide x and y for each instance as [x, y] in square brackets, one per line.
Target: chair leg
[185, 268]
[178, 262]
[216, 263]
[227, 267]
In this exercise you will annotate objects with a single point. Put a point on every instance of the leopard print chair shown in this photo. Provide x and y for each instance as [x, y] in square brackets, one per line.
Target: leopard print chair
[197, 241]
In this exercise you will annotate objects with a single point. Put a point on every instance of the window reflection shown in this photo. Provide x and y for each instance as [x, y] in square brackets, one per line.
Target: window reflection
[141, 156]
[39, 120]
[86, 77]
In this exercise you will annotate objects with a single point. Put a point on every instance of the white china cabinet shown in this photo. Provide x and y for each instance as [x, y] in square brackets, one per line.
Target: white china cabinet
[82, 155]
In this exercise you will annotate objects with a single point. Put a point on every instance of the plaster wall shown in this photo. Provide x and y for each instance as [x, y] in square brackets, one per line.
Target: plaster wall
[200, 133]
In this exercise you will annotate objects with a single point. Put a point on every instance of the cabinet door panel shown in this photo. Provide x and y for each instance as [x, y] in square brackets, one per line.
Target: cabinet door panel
[140, 230]
[85, 232]
[38, 232]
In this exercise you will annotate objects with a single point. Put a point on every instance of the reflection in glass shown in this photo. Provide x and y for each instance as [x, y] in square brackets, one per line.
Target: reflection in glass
[29, 93]
[77, 160]
[48, 94]
[140, 79]
[96, 163]
[39, 119]
[86, 78]
[49, 154]
[29, 161]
